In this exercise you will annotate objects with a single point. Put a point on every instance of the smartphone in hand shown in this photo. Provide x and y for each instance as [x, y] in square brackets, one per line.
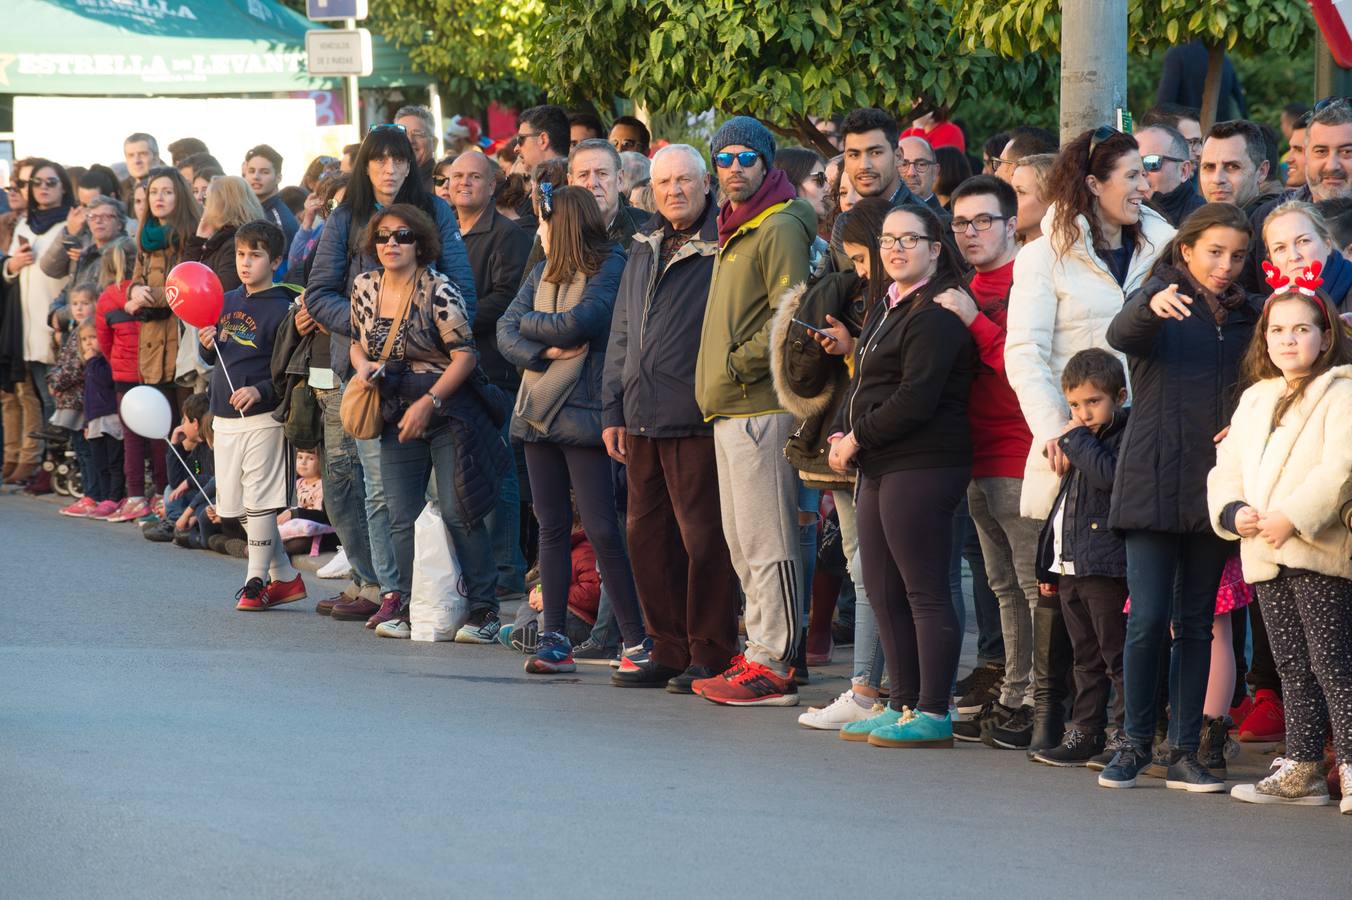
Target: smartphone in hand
[815, 330]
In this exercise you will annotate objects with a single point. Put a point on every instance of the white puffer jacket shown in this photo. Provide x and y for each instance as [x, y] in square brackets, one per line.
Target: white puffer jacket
[37, 290]
[1058, 306]
[1303, 469]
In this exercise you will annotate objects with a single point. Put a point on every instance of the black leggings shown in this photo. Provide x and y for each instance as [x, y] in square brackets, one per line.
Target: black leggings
[553, 468]
[905, 542]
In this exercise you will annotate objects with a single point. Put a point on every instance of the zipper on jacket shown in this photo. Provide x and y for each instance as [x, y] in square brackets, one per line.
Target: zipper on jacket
[859, 364]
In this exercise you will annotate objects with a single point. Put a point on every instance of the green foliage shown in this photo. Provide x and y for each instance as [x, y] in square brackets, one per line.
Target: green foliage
[779, 62]
[479, 50]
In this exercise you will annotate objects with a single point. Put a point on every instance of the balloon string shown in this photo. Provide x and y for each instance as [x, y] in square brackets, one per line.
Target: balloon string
[220, 361]
[211, 504]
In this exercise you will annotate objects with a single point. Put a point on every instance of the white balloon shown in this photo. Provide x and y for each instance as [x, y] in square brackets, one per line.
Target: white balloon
[146, 411]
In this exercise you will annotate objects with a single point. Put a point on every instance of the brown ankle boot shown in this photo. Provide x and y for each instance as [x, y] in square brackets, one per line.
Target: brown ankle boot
[22, 472]
[10, 466]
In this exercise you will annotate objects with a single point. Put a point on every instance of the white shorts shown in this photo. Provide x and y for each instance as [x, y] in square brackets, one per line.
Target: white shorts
[250, 457]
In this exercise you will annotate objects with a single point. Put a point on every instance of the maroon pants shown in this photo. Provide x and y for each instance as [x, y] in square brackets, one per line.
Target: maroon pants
[686, 584]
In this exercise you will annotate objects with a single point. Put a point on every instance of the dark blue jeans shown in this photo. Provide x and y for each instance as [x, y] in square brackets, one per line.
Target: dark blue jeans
[1173, 580]
[405, 470]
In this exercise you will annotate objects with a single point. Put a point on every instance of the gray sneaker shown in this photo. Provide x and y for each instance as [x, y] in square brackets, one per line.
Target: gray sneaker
[590, 653]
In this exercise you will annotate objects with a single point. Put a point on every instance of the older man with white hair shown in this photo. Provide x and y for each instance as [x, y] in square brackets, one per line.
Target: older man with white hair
[686, 583]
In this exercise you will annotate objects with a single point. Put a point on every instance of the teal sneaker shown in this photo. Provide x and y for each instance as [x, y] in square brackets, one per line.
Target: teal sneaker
[859, 731]
[915, 729]
[505, 635]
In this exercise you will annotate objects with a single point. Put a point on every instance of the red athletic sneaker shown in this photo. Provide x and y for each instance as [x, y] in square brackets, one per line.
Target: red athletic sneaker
[1239, 713]
[280, 592]
[734, 668]
[1267, 722]
[80, 509]
[752, 685]
[253, 597]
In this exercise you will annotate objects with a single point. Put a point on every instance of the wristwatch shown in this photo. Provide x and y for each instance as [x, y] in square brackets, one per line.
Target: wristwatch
[436, 401]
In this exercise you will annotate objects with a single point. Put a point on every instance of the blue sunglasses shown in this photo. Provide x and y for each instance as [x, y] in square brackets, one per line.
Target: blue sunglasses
[746, 159]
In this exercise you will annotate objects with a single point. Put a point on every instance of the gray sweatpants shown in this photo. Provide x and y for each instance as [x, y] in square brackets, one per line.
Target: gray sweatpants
[1009, 546]
[758, 490]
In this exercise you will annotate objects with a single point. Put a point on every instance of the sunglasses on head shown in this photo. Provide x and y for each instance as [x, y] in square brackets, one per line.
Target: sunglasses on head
[1155, 161]
[399, 235]
[1324, 104]
[1101, 134]
[746, 159]
[387, 127]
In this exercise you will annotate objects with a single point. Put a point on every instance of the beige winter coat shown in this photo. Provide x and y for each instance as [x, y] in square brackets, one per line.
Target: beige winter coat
[1058, 306]
[1301, 469]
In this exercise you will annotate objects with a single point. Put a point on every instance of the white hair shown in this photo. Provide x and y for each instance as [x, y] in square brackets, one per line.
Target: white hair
[694, 154]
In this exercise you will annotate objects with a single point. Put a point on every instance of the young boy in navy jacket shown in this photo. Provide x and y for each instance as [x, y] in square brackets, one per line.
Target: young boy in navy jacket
[1086, 560]
[249, 447]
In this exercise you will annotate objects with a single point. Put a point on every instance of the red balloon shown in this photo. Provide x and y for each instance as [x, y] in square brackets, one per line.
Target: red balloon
[194, 293]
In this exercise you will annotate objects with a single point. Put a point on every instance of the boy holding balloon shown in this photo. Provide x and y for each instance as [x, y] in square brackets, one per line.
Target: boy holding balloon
[249, 446]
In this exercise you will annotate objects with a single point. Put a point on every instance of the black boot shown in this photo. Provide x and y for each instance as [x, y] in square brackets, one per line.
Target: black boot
[1052, 662]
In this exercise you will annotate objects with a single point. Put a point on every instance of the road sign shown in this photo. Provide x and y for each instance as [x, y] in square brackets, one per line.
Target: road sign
[1334, 18]
[335, 10]
[329, 51]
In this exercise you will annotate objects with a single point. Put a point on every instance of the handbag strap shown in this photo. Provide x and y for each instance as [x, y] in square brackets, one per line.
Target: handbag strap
[398, 320]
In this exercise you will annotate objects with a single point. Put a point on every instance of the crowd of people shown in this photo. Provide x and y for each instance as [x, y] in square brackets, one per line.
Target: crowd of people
[711, 411]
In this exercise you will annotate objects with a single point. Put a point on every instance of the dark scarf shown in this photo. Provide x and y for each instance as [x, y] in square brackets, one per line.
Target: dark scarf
[40, 221]
[1337, 275]
[1178, 204]
[154, 236]
[1221, 304]
[776, 188]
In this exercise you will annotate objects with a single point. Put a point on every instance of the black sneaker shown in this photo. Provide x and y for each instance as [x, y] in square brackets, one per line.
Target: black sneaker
[217, 543]
[482, 628]
[970, 729]
[963, 685]
[161, 531]
[1076, 749]
[1211, 751]
[1016, 732]
[647, 674]
[1159, 760]
[590, 653]
[979, 688]
[681, 684]
[1117, 742]
[1186, 773]
[1125, 766]
[526, 638]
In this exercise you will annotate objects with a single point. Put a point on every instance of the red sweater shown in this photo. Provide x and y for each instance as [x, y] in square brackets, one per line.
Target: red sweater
[1000, 436]
[943, 134]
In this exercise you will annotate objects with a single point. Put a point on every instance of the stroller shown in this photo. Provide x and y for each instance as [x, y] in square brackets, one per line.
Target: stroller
[59, 462]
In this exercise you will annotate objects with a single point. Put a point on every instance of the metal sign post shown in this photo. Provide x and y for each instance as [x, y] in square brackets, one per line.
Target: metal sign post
[346, 52]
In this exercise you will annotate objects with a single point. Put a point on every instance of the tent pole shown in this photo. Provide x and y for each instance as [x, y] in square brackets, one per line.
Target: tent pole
[434, 103]
[353, 92]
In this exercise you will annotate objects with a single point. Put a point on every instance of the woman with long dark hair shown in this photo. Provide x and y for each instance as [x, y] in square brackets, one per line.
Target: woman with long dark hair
[905, 429]
[353, 491]
[556, 330]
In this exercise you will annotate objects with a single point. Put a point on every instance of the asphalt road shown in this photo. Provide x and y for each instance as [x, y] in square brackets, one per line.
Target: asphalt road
[156, 743]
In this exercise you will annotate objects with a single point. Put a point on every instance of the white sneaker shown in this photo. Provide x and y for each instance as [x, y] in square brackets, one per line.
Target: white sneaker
[842, 711]
[338, 567]
[394, 628]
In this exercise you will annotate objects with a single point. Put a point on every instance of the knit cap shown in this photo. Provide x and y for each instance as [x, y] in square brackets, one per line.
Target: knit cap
[747, 132]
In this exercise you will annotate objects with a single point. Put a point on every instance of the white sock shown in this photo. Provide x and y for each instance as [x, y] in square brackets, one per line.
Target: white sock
[267, 557]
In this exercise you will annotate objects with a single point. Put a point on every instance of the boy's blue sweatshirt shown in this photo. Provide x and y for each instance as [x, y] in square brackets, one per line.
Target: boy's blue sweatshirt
[245, 334]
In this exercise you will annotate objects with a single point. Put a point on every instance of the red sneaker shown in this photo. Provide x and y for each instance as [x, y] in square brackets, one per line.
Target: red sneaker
[1240, 712]
[1267, 722]
[734, 668]
[280, 592]
[80, 509]
[752, 685]
[253, 597]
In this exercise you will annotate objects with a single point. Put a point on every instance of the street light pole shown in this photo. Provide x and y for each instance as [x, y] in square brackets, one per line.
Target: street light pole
[1093, 64]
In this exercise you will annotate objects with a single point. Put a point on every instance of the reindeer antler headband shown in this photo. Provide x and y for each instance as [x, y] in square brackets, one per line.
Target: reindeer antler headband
[1307, 283]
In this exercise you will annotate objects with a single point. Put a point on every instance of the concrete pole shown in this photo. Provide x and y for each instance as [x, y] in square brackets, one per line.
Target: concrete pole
[1330, 79]
[1093, 64]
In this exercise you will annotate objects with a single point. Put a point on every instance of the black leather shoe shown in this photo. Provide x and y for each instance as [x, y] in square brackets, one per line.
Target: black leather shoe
[681, 684]
[649, 674]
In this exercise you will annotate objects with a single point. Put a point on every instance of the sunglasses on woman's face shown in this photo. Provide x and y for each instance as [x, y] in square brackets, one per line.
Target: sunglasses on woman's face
[818, 178]
[45, 182]
[400, 236]
[440, 180]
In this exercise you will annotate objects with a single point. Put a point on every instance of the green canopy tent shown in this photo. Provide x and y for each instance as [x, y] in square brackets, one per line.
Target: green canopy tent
[169, 47]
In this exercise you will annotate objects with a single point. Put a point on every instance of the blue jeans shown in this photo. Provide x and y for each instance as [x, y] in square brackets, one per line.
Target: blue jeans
[506, 528]
[345, 491]
[1173, 580]
[868, 668]
[378, 516]
[405, 469]
[39, 371]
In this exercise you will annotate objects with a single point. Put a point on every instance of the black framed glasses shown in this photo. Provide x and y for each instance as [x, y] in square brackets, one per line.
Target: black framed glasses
[1155, 161]
[980, 223]
[746, 159]
[50, 182]
[907, 241]
[18, 184]
[521, 136]
[920, 165]
[399, 236]
[1101, 134]
[546, 200]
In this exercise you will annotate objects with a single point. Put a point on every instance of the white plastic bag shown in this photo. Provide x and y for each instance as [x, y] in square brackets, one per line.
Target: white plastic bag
[438, 606]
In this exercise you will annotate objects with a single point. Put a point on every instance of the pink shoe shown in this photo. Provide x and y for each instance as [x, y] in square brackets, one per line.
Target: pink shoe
[105, 509]
[80, 509]
[133, 509]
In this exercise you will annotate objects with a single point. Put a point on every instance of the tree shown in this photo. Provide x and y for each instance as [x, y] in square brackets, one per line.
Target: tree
[1271, 28]
[479, 50]
[783, 63]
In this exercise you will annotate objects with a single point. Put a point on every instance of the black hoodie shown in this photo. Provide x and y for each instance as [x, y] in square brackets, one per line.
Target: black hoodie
[245, 334]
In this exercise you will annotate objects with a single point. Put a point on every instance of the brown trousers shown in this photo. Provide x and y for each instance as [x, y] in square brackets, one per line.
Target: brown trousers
[686, 584]
[22, 411]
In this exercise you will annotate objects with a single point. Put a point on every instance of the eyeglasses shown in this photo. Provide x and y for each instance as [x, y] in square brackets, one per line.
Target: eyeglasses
[103, 217]
[17, 185]
[980, 223]
[399, 235]
[546, 200]
[817, 178]
[521, 136]
[1194, 145]
[45, 182]
[1101, 134]
[1155, 161]
[904, 241]
[921, 166]
[440, 180]
[746, 159]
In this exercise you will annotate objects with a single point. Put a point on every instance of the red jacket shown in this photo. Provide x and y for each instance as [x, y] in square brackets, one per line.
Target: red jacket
[120, 341]
[1000, 436]
[584, 592]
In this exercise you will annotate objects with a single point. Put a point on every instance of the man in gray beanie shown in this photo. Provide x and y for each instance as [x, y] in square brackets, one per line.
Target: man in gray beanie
[764, 236]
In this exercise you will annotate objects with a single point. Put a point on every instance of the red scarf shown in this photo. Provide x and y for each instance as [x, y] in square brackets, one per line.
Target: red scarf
[776, 188]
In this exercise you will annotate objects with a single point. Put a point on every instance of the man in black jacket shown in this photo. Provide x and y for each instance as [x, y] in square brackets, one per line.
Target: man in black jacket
[497, 251]
[686, 583]
[1169, 169]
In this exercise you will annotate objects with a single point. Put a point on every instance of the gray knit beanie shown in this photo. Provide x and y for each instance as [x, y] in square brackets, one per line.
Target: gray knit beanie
[747, 132]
